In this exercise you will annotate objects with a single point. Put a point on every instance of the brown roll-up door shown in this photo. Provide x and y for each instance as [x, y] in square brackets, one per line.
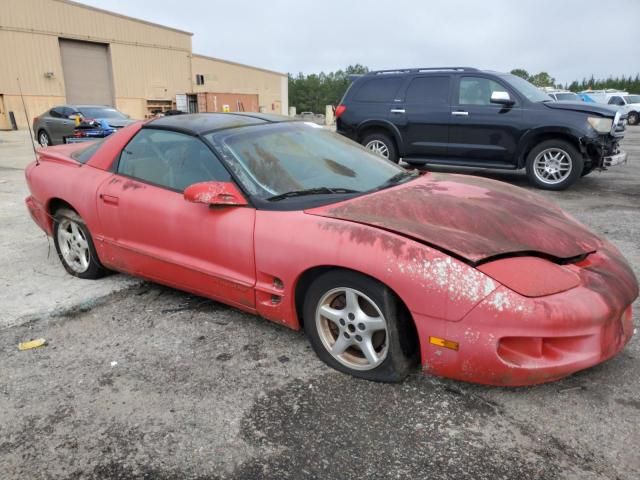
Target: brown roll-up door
[87, 72]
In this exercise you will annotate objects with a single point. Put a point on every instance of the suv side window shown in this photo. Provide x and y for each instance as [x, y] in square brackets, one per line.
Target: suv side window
[477, 90]
[378, 90]
[428, 91]
[170, 159]
[616, 101]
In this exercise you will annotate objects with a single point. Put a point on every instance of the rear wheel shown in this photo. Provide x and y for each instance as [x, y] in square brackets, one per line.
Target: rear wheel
[632, 118]
[43, 138]
[554, 165]
[356, 325]
[75, 246]
[381, 144]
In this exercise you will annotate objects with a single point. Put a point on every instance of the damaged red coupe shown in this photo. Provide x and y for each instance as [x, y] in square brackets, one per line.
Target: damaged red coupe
[382, 268]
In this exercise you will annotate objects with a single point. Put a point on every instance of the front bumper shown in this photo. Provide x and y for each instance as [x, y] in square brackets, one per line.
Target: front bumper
[619, 158]
[512, 340]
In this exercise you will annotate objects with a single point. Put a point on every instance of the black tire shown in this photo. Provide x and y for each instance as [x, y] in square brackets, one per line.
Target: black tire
[384, 139]
[397, 344]
[555, 145]
[632, 118]
[64, 219]
[44, 140]
[587, 169]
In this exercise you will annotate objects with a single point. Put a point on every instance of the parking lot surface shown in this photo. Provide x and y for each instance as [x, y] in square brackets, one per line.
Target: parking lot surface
[140, 381]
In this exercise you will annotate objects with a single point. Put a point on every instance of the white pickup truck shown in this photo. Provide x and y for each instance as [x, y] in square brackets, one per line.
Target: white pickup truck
[627, 103]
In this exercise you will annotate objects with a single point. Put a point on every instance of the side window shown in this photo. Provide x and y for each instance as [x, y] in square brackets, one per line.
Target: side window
[616, 101]
[428, 91]
[477, 91]
[56, 112]
[378, 90]
[170, 159]
[66, 111]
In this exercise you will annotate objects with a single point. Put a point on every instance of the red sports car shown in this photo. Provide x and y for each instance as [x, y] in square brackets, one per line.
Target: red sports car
[478, 280]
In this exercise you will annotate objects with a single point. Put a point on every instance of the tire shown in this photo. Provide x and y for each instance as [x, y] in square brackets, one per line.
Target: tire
[43, 138]
[381, 144]
[632, 118]
[587, 169]
[334, 319]
[75, 246]
[554, 165]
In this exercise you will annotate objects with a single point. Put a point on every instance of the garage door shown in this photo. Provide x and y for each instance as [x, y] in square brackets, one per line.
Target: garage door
[87, 72]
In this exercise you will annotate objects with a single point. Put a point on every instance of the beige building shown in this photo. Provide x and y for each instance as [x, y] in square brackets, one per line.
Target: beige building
[60, 51]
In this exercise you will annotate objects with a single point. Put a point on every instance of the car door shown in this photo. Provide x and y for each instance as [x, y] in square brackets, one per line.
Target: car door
[54, 124]
[149, 229]
[483, 132]
[427, 111]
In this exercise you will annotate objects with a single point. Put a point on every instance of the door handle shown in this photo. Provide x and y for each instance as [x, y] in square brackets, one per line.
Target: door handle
[460, 113]
[397, 110]
[109, 200]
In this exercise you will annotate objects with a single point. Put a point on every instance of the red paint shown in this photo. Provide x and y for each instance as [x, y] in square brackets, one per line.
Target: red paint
[215, 193]
[517, 320]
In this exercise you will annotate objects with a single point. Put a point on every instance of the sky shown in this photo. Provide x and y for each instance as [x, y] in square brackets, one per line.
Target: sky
[569, 39]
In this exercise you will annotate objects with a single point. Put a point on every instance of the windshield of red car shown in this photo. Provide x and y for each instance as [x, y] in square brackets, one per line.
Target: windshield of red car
[271, 160]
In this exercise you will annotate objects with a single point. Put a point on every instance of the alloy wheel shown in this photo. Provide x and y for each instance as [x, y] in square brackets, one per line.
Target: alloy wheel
[552, 166]
[352, 328]
[43, 139]
[74, 246]
[378, 147]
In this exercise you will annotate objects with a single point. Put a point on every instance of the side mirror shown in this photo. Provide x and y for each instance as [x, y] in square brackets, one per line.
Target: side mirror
[501, 98]
[215, 193]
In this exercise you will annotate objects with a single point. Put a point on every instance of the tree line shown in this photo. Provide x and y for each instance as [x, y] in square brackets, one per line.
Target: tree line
[311, 93]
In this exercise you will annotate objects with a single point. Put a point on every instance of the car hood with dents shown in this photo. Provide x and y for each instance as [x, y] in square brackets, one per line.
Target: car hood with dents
[601, 110]
[471, 218]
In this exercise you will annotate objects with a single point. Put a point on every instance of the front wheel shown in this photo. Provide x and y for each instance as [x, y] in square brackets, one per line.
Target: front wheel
[632, 118]
[356, 325]
[75, 246]
[381, 144]
[554, 165]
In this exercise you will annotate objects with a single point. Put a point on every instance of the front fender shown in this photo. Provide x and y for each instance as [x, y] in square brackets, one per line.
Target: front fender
[429, 282]
[530, 138]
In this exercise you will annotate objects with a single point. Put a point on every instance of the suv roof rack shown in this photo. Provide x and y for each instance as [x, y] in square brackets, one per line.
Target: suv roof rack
[424, 69]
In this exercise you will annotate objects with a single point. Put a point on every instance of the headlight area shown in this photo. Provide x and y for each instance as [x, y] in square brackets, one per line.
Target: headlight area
[531, 276]
[602, 125]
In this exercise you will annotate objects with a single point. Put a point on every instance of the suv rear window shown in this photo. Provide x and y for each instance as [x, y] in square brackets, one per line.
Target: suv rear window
[378, 90]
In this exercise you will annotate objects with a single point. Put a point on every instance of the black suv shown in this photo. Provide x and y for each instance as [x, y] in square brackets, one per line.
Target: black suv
[475, 118]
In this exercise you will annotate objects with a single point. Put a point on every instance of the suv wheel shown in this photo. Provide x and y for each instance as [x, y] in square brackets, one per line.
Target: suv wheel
[554, 165]
[632, 118]
[381, 144]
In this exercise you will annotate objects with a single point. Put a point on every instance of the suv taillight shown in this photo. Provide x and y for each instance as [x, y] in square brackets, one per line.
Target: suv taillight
[340, 109]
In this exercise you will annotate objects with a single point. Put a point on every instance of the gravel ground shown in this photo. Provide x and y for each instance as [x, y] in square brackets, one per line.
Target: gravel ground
[140, 381]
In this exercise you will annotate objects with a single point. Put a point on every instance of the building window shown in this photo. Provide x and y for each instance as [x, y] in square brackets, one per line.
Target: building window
[199, 79]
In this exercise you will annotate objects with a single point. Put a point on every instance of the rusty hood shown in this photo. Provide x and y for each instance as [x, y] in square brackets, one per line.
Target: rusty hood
[469, 217]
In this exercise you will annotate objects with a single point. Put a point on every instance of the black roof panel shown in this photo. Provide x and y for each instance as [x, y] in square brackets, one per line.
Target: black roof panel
[198, 123]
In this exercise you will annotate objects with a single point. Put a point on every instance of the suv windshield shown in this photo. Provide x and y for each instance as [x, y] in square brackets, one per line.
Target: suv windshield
[632, 98]
[528, 90]
[99, 112]
[298, 158]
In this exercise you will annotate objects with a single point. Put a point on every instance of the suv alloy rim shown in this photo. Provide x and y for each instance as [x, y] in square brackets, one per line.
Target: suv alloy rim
[378, 147]
[552, 166]
[352, 328]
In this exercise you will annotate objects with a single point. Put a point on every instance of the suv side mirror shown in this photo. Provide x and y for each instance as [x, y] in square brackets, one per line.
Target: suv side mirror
[501, 98]
[215, 193]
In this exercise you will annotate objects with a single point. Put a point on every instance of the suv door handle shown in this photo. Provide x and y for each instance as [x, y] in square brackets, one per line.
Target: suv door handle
[460, 113]
[397, 110]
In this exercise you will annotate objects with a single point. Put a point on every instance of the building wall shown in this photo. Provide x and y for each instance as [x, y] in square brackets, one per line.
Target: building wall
[148, 61]
[221, 76]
